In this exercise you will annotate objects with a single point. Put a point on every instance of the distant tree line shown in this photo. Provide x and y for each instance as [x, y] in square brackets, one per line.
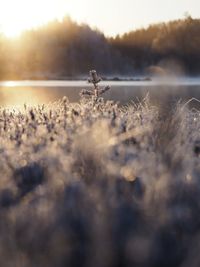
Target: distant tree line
[64, 49]
[166, 44]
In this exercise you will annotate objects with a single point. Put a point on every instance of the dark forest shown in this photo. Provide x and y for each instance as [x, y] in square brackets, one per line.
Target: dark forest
[66, 50]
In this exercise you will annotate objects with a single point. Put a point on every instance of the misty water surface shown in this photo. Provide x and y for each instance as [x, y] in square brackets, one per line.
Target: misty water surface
[16, 93]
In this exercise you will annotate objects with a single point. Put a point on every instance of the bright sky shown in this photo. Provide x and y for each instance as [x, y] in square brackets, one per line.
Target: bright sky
[110, 16]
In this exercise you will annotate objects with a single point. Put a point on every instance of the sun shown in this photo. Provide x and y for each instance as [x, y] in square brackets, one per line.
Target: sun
[19, 15]
[13, 30]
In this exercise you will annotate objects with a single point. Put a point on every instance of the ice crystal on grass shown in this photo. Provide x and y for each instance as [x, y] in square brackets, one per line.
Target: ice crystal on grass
[97, 184]
[96, 91]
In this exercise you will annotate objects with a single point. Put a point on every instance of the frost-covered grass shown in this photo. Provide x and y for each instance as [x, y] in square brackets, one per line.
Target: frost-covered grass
[96, 184]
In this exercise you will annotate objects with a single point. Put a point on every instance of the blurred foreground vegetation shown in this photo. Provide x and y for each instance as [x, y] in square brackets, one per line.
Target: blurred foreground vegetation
[64, 49]
[95, 184]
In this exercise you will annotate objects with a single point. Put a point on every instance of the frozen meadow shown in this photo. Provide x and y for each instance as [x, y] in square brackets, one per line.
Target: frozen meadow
[97, 184]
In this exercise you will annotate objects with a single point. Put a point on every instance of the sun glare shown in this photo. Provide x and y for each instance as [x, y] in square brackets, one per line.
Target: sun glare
[13, 31]
[19, 15]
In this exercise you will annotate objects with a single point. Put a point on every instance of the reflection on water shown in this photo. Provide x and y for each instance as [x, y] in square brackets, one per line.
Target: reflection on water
[14, 94]
[17, 96]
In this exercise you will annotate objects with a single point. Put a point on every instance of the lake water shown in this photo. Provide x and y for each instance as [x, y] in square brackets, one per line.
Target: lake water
[16, 93]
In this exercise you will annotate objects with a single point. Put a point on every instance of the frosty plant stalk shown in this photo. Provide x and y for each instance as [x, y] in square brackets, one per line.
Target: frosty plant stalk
[96, 91]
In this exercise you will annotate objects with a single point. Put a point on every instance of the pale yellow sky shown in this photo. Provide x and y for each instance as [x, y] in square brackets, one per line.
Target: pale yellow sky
[110, 16]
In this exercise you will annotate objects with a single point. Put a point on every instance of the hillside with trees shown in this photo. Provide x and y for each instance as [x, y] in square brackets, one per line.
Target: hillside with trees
[163, 44]
[65, 49]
